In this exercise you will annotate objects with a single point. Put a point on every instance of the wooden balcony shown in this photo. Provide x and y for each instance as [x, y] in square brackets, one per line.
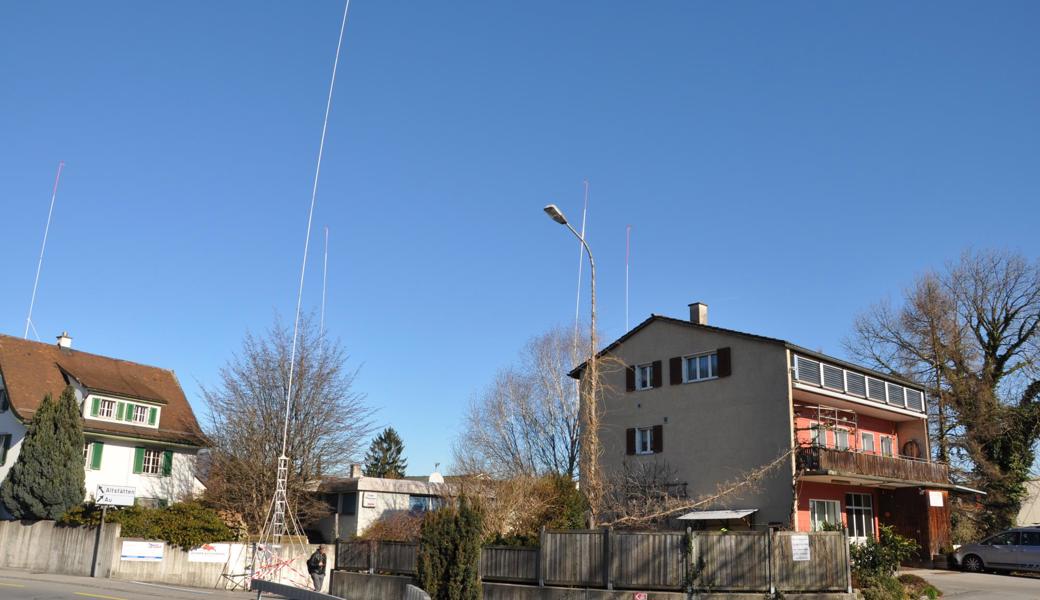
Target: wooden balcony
[814, 460]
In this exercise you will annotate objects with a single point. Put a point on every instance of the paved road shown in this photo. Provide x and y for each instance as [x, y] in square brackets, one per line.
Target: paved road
[23, 585]
[957, 585]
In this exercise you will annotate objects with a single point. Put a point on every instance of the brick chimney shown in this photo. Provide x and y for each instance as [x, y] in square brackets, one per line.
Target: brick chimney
[65, 340]
[699, 313]
[355, 471]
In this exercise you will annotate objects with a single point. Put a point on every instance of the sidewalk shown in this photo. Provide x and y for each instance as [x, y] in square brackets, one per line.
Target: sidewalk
[25, 585]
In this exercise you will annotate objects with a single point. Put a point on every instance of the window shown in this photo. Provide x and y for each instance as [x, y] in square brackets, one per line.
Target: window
[645, 440]
[823, 512]
[814, 435]
[698, 368]
[1008, 538]
[140, 414]
[152, 464]
[107, 409]
[5, 402]
[1031, 538]
[868, 442]
[5, 445]
[422, 503]
[349, 504]
[859, 513]
[886, 445]
[644, 377]
[841, 439]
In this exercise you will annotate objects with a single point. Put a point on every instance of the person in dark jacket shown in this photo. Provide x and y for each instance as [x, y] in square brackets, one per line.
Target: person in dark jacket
[316, 567]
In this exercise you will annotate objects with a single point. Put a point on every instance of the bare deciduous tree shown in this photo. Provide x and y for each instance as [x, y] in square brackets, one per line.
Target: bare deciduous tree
[328, 422]
[526, 421]
[970, 334]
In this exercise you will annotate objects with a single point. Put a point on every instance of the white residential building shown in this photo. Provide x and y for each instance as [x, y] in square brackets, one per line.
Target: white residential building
[139, 429]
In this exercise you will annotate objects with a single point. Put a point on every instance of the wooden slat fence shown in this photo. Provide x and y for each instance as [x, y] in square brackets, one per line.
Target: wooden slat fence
[825, 571]
[575, 558]
[515, 564]
[732, 561]
[715, 561]
[652, 561]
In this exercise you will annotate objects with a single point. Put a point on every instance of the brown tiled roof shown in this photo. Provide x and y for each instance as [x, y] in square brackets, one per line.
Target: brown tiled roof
[31, 370]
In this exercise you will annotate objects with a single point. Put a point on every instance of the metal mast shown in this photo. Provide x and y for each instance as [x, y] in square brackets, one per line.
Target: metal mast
[39, 264]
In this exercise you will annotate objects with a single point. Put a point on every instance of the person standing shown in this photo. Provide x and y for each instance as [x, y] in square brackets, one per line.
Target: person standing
[316, 567]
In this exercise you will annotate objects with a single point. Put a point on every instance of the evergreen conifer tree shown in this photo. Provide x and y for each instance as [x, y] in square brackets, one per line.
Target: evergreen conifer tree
[448, 562]
[47, 479]
[384, 456]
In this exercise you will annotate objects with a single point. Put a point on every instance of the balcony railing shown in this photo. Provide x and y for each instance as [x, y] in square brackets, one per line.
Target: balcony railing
[850, 464]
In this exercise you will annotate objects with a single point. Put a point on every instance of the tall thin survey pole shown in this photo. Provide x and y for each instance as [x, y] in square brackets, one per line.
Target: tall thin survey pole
[581, 259]
[39, 264]
[628, 249]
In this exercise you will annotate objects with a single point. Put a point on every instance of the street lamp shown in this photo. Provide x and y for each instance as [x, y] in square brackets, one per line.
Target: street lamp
[590, 419]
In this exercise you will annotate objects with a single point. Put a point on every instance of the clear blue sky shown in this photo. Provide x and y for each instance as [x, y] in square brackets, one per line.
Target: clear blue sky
[788, 163]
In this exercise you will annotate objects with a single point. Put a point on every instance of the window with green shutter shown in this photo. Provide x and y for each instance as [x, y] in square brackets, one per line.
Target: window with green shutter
[95, 406]
[95, 455]
[138, 460]
[152, 414]
[167, 463]
[119, 411]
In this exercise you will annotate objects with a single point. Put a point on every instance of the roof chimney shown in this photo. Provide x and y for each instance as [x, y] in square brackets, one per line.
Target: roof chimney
[65, 340]
[699, 313]
[355, 471]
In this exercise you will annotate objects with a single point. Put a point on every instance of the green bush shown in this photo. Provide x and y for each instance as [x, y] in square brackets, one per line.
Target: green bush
[449, 552]
[876, 559]
[187, 524]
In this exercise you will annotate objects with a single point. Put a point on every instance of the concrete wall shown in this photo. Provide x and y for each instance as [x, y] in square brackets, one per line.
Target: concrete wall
[360, 586]
[44, 547]
[713, 430]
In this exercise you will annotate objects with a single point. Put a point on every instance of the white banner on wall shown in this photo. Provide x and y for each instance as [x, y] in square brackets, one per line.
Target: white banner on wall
[210, 553]
[142, 551]
[935, 499]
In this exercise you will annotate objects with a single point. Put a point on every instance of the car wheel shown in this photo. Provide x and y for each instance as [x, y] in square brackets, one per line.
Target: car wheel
[973, 564]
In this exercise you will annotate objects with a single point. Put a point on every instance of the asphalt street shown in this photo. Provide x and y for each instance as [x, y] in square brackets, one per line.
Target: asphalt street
[23, 585]
[957, 585]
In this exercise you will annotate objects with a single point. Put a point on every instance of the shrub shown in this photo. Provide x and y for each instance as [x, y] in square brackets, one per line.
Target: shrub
[394, 526]
[875, 559]
[916, 586]
[186, 524]
[449, 552]
[882, 587]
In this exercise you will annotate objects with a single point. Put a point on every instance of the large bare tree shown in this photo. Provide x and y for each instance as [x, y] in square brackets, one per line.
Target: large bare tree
[526, 421]
[970, 334]
[328, 421]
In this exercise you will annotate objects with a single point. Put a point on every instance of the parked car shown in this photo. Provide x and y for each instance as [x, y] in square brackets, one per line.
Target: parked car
[1012, 550]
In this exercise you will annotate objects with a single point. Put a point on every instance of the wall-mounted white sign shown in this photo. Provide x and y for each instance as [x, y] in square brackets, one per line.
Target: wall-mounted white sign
[142, 551]
[800, 548]
[210, 553]
[368, 500]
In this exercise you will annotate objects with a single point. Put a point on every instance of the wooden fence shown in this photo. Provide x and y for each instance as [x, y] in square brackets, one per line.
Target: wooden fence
[755, 561]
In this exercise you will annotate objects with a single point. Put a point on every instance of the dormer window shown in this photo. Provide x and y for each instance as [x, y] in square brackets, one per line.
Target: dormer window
[107, 409]
[135, 413]
[139, 414]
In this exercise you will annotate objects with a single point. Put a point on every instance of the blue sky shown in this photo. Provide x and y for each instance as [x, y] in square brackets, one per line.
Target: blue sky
[788, 163]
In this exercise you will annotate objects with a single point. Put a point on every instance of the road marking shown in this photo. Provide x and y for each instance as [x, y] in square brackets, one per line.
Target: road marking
[169, 587]
[12, 584]
[98, 596]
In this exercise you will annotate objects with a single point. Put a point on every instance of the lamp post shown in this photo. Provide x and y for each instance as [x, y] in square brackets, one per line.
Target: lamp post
[589, 466]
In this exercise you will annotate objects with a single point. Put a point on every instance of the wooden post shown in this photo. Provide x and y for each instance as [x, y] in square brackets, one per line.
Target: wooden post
[335, 559]
[607, 583]
[541, 557]
[371, 556]
[769, 563]
[686, 564]
[848, 561]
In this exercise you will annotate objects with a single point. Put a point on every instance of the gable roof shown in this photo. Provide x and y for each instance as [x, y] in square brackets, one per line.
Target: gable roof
[576, 372]
[31, 370]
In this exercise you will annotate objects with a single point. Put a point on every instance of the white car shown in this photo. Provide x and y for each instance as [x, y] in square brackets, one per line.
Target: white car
[1012, 550]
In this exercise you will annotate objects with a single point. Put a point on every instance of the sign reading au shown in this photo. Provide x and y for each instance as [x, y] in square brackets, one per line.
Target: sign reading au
[800, 548]
[114, 495]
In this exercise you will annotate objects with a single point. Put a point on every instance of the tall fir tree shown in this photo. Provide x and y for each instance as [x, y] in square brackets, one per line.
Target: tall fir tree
[47, 479]
[448, 561]
[384, 456]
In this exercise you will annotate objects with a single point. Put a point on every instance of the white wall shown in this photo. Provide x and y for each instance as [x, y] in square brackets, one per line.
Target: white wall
[117, 468]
